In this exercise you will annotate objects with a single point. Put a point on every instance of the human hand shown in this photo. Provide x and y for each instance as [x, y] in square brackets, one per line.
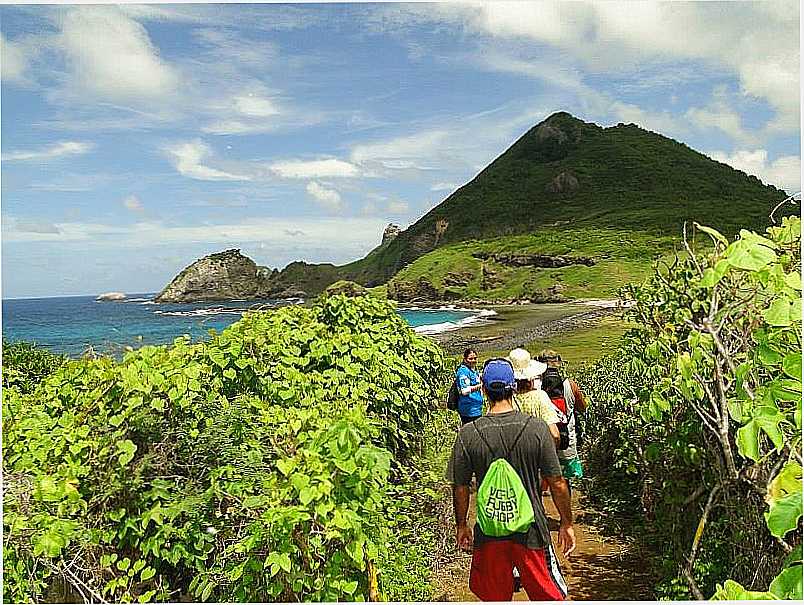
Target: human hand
[566, 539]
[463, 538]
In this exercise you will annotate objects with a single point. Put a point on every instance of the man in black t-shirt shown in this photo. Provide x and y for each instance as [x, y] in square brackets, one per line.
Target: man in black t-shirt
[532, 456]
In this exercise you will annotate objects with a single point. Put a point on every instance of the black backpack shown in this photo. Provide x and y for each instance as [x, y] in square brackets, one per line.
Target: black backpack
[563, 429]
[454, 393]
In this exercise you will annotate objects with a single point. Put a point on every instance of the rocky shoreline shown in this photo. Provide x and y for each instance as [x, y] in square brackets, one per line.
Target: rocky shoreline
[456, 341]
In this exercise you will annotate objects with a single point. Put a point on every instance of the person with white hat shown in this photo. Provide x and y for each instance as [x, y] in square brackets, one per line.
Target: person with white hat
[530, 397]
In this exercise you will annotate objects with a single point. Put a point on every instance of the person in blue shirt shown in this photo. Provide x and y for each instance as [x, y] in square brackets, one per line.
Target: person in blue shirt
[470, 401]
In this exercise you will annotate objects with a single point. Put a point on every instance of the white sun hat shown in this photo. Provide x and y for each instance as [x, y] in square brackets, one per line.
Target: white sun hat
[525, 368]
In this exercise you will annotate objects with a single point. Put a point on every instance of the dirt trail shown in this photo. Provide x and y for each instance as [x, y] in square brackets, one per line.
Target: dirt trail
[601, 568]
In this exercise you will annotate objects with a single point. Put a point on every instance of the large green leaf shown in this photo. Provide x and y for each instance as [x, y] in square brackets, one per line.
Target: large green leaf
[788, 584]
[792, 365]
[748, 440]
[733, 591]
[767, 420]
[749, 255]
[786, 483]
[779, 313]
[713, 233]
[784, 515]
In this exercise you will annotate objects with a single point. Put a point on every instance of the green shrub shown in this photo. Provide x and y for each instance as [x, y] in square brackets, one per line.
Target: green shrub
[697, 417]
[25, 365]
[253, 467]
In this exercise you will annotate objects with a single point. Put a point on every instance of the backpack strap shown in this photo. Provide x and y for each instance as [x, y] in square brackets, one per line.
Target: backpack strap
[483, 439]
[518, 435]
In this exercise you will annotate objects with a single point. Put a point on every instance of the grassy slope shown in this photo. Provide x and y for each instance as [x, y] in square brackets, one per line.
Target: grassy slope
[622, 257]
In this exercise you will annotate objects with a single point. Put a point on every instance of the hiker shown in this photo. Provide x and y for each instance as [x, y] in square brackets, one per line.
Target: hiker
[563, 402]
[529, 397]
[507, 451]
[470, 400]
[553, 360]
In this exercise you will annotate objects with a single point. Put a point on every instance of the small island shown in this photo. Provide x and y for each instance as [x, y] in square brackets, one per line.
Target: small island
[111, 296]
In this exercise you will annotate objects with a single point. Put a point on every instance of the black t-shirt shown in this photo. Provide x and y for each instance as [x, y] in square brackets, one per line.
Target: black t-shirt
[533, 457]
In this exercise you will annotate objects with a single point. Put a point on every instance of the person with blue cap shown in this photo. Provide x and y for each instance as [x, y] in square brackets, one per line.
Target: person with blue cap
[526, 444]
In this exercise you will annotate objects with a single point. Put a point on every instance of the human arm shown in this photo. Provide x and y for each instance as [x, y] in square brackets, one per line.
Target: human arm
[580, 400]
[555, 434]
[460, 504]
[465, 382]
[550, 469]
[470, 389]
[548, 414]
[561, 498]
[459, 473]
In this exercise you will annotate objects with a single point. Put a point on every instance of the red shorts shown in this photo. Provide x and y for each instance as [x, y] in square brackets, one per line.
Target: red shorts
[492, 575]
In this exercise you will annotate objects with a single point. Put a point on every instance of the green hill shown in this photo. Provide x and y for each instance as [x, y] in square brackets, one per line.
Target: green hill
[570, 175]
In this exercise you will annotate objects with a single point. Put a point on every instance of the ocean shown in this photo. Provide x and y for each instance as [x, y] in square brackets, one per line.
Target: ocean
[72, 324]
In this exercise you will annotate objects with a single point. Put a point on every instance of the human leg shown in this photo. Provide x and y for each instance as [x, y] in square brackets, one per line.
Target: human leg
[492, 575]
[541, 575]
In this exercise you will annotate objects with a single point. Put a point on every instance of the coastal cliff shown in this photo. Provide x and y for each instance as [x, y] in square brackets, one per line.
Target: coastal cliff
[221, 276]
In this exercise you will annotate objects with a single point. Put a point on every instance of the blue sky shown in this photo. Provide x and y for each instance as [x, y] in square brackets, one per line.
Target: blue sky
[136, 139]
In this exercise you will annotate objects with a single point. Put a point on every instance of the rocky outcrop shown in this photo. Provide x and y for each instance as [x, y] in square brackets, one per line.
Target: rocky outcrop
[221, 276]
[547, 132]
[459, 279]
[489, 278]
[512, 259]
[107, 296]
[565, 183]
[391, 232]
[418, 291]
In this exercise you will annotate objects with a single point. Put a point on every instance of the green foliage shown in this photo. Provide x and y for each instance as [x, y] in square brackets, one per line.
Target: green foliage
[621, 257]
[253, 467]
[706, 412]
[25, 365]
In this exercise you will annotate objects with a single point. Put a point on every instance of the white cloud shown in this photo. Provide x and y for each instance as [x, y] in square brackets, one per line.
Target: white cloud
[54, 151]
[300, 169]
[444, 187]
[187, 158]
[719, 114]
[328, 198]
[305, 233]
[398, 207]
[133, 203]
[255, 106]
[757, 41]
[784, 172]
[662, 122]
[112, 57]
[552, 73]
[402, 152]
[34, 227]
[14, 61]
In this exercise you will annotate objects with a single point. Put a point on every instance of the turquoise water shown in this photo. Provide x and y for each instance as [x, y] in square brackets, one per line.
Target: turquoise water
[72, 324]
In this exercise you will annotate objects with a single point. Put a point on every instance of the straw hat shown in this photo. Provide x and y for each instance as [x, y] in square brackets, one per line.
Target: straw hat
[525, 368]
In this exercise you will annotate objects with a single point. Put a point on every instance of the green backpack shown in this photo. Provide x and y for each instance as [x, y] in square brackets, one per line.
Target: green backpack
[503, 504]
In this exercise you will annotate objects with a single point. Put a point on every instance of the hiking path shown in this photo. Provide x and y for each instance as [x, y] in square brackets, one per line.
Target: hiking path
[604, 566]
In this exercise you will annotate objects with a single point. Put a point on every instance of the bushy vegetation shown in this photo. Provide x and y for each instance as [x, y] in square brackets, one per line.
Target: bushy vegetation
[696, 420]
[26, 365]
[262, 465]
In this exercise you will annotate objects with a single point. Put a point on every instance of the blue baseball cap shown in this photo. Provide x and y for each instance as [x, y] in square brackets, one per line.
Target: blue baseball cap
[498, 375]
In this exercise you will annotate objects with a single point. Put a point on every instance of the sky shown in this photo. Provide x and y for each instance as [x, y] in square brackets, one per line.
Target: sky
[138, 138]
